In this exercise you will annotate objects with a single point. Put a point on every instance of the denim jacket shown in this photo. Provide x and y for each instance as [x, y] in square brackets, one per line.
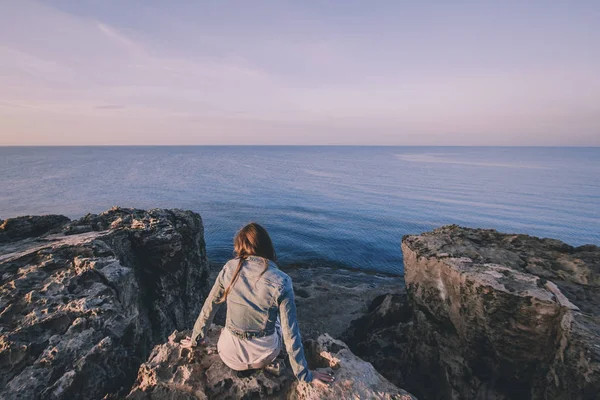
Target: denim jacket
[253, 304]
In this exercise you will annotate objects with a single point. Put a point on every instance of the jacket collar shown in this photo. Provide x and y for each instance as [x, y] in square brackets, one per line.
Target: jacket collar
[260, 260]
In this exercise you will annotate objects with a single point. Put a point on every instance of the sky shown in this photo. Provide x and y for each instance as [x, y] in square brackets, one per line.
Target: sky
[146, 72]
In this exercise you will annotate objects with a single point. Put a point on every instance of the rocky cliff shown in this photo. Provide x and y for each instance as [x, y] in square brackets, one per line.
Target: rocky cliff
[83, 302]
[485, 315]
[489, 316]
[173, 372]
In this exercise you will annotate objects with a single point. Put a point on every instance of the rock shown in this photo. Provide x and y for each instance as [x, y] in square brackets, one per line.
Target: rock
[346, 294]
[575, 270]
[176, 373]
[80, 312]
[30, 226]
[494, 316]
[504, 309]
[381, 336]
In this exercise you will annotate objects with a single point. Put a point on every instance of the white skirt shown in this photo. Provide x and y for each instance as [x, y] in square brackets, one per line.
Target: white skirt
[242, 354]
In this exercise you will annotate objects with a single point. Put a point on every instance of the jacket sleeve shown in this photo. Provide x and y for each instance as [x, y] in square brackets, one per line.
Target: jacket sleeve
[291, 333]
[209, 309]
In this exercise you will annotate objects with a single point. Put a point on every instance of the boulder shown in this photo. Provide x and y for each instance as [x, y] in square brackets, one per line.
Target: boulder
[489, 316]
[506, 316]
[174, 372]
[82, 307]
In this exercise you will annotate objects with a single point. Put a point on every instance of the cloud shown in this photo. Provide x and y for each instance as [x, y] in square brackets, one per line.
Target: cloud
[119, 38]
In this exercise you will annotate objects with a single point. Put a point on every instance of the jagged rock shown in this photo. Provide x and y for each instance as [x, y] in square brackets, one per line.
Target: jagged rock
[80, 312]
[493, 316]
[29, 226]
[176, 373]
[381, 336]
[504, 309]
[575, 270]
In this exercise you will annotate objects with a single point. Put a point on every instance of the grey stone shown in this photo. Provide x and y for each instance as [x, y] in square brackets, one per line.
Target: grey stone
[80, 312]
[489, 316]
[174, 372]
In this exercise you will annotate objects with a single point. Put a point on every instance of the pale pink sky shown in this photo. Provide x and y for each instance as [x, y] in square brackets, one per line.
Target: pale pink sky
[76, 72]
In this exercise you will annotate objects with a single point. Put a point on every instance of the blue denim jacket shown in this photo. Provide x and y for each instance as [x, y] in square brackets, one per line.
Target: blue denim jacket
[253, 305]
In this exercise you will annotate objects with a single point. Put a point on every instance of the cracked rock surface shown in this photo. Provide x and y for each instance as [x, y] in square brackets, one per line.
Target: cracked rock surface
[82, 303]
[489, 315]
[173, 372]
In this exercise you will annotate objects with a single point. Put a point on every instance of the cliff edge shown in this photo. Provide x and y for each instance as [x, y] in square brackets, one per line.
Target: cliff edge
[83, 302]
[173, 372]
[489, 316]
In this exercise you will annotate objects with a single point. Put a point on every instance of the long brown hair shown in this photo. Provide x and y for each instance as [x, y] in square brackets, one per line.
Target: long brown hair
[251, 240]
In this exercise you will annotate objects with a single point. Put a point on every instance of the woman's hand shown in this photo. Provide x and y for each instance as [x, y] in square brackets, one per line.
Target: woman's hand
[322, 378]
[187, 342]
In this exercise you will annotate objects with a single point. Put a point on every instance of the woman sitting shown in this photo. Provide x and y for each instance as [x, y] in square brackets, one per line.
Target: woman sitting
[261, 312]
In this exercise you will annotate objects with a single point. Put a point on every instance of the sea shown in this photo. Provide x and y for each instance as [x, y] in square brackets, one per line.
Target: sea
[339, 206]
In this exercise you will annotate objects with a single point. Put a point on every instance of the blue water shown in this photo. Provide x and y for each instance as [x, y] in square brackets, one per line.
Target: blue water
[347, 205]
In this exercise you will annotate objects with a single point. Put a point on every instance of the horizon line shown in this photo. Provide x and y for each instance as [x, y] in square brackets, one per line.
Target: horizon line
[290, 145]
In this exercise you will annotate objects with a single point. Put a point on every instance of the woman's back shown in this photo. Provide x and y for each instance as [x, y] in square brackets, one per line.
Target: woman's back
[252, 303]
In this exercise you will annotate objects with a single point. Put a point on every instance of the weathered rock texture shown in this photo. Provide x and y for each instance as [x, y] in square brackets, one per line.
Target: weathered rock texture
[173, 372]
[490, 316]
[82, 307]
[30, 226]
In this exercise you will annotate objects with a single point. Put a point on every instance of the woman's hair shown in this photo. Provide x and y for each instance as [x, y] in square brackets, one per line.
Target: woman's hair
[251, 240]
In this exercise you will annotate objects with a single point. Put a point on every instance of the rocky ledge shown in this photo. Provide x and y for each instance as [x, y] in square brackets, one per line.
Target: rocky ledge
[173, 372]
[83, 302]
[488, 316]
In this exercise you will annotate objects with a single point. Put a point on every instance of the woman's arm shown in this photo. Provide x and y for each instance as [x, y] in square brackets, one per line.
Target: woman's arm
[291, 333]
[209, 309]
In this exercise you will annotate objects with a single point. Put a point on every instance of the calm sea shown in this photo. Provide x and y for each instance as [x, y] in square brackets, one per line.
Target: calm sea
[343, 205]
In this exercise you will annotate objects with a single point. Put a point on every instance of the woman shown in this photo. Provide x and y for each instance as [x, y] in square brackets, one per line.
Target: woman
[260, 310]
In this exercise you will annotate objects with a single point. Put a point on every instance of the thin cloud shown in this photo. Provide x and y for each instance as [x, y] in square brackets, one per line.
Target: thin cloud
[118, 37]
